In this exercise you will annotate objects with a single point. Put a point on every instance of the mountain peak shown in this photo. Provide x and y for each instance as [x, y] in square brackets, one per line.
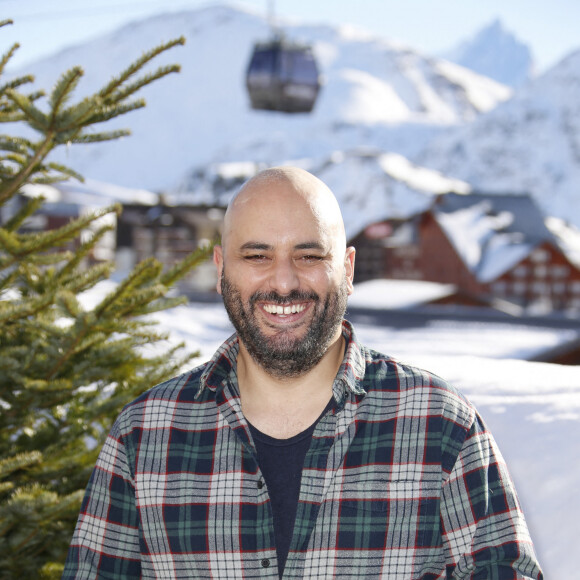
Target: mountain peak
[496, 53]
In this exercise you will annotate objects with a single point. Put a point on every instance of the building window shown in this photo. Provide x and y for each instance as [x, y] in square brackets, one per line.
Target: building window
[521, 271]
[559, 288]
[539, 255]
[519, 288]
[499, 288]
[540, 288]
[559, 271]
[576, 287]
[541, 271]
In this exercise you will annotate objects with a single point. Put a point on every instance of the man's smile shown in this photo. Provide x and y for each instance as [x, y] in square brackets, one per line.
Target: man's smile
[280, 309]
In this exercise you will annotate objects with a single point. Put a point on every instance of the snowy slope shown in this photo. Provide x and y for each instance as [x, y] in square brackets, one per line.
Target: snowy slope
[375, 94]
[495, 53]
[530, 143]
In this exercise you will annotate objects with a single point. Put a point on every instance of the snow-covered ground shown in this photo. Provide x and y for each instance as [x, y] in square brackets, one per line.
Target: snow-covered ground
[533, 409]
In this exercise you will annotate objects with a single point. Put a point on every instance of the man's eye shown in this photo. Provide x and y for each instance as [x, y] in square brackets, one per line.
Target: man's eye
[311, 258]
[255, 258]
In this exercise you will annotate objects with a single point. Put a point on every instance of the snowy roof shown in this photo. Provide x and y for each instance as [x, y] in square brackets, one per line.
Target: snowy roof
[568, 238]
[491, 232]
[393, 294]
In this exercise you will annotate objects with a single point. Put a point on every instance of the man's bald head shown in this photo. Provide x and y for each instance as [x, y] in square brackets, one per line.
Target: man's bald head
[291, 186]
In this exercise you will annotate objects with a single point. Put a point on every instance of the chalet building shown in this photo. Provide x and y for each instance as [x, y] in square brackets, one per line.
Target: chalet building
[495, 246]
[147, 226]
[168, 233]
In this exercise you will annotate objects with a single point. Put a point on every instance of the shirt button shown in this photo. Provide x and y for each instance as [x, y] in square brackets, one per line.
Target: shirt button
[260, 484]
[265, 563]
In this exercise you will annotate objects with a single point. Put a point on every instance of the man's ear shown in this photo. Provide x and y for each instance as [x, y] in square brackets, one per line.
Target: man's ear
[218, 260]
[349, 268]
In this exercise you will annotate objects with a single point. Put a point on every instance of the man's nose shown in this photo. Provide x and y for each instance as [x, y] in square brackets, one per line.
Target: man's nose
[283, 276]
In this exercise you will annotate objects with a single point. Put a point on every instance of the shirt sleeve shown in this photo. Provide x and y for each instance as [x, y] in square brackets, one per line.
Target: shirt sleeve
[484, 529]
[105, 543]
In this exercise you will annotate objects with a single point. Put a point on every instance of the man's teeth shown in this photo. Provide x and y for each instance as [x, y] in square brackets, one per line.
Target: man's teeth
[276, 309]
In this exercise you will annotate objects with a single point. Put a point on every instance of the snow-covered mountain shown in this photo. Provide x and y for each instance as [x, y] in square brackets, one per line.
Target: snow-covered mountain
[530, 143]
[496, 53]
[376, 94]
[198, 137]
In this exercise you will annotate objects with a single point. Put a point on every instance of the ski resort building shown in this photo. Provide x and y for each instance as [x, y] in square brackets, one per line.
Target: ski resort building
[488, 245]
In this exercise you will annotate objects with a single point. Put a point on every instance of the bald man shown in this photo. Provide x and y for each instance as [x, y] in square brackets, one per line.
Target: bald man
[296, 452]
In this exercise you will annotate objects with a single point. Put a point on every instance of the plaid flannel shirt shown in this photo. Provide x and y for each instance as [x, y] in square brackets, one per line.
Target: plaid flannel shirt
[402, 481]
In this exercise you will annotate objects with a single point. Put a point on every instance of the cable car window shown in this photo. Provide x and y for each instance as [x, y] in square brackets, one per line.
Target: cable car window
[263, 62]
[262, 67]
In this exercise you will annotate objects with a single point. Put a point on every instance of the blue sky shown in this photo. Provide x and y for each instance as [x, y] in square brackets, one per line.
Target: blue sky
[550, 28]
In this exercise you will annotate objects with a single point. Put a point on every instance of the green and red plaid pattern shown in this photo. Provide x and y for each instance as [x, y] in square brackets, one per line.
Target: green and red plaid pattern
[402, 481]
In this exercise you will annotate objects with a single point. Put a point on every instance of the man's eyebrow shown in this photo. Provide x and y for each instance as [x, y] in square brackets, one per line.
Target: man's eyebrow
[255, 246]
[310, 246]
[263, 246]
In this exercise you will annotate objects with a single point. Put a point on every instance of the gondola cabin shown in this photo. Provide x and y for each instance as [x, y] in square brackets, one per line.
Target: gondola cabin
[282, 76]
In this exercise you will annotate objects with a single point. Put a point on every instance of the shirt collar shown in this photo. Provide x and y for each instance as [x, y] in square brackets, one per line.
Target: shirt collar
[348, 379]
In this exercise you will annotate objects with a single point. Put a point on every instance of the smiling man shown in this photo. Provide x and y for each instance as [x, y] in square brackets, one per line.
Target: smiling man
[297, 452]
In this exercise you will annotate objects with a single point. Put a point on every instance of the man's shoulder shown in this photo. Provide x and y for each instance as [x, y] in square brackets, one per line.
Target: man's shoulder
[182, 388]
[387, 377]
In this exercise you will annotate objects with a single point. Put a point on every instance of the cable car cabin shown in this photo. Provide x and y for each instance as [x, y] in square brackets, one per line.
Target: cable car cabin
[282, 77]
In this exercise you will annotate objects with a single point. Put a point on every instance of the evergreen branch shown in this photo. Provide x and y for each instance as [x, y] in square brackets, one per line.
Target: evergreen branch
[21, 245]
[76, 117]
[162, 303]
[195, 258]
[29, 208]
[99, 137]
[9, 465]
[15, 144]
[65, 173]
[109, 89]
[11, 312]
[9, 188]
[67, 300]
[34, 96]
[35, 117]
[11, 115]
[110, 112]
[15, 83]
[131, 89]
[81, 281]
[62, 90]
[142, 272]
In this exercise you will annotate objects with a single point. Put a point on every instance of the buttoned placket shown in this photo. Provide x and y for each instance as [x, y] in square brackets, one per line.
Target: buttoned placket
[265, 560]
[330, 441]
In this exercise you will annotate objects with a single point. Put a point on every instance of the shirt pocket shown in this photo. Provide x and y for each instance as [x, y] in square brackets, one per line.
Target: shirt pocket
[377, 513]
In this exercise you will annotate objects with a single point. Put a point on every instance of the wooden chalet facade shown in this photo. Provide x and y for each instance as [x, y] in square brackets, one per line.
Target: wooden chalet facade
[168, 233]
[490, 246]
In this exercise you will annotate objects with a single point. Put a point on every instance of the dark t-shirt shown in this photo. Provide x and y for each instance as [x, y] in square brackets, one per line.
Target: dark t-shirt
[281, 462]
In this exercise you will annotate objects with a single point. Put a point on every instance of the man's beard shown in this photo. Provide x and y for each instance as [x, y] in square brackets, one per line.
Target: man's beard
[281, 354]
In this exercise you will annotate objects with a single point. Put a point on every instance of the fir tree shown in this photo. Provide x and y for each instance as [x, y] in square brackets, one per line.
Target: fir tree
[65, 370]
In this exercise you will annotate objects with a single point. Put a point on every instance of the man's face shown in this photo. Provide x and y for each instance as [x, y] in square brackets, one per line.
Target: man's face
[285, 277]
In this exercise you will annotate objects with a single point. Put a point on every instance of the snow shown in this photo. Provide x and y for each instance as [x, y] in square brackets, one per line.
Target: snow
[533, 409]
[496, 53]
[420, 178]
[397, 293]
[568, 237]
[475, 235]
[90, 193]
[527, 144]
[376, 94]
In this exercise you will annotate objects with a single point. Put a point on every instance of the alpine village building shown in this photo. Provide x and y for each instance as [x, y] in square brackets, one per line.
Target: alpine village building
[489, 246]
